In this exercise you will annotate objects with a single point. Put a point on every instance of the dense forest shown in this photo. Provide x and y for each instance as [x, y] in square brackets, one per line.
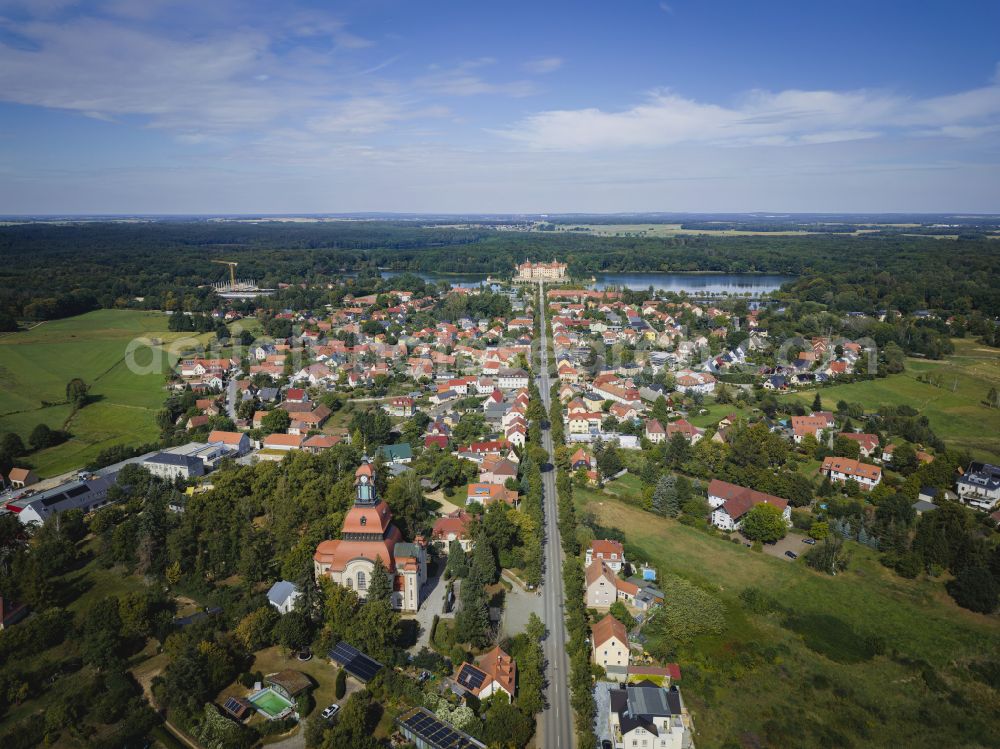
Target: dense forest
[55, 270]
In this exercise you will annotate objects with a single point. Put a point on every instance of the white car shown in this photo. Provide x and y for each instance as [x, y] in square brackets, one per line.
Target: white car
[330, 712]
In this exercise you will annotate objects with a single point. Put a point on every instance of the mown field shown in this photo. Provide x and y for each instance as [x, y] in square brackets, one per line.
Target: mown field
[819, 686]
[954, 404]
[35, 366]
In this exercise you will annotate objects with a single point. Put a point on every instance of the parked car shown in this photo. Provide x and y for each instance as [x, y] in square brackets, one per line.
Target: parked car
[791, 555]
[424, 676]
[606, 744]
[809, 541]
[330, 712]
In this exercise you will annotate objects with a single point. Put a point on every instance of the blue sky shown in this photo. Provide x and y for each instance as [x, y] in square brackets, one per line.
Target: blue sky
[171, 106]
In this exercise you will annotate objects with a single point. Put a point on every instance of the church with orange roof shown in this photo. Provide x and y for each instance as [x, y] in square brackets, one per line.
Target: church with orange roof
[367, 534]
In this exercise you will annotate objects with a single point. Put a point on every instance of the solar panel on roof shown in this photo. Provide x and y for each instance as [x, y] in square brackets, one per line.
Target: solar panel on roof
[435, 733]
[471, 677]
[233, 705]
[355, 662]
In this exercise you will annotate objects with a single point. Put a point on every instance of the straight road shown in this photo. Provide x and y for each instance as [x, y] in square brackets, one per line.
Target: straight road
[231, 395]
[557, 718]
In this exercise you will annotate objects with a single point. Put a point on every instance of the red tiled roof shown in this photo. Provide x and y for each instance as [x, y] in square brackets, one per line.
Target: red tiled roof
[851, 467]
[607, 628]
[739, 499]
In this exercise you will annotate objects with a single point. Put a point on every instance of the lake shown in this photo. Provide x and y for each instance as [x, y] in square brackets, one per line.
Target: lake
[693, 283]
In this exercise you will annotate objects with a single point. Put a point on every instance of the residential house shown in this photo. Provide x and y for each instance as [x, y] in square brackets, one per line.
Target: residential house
[689, 381]
[813, 424]
[979, 486]
[609, 643]
[868, 443]
[401, 453]
[493, 672]
[19, 478]
[731, 502]
[453, 527]
[282, 595]
[296, 395]
[655, 432]
[648, 716]
[512, 379]
[487, 494]
[841, 469]
[585, 422]
[622, 412]
[497, 471]
[690, 432]
[581, 459]
[602, 585]
[401, 406]
[612, 553]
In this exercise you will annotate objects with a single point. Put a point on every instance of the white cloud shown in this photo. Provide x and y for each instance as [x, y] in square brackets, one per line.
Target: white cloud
[464, 80]
[543, 65]
[759, 118]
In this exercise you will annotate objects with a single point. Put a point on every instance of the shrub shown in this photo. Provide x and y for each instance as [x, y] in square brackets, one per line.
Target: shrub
[341, 686]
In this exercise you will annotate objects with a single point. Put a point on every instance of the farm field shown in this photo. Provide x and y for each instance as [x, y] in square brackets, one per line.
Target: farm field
[955, 407]
[673, 230]
[35, 366]
[822, 687]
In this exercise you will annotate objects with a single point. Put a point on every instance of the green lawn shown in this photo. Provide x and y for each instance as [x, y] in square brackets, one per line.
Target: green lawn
[35, 366]
[955, 409]
[715, 413]
[816, 685]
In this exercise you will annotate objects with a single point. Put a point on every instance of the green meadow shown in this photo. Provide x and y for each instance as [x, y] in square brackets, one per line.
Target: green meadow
[803, 676]
[36, 364]
[954, 403]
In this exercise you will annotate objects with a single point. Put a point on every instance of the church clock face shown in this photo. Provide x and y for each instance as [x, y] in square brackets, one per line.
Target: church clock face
[364, 479]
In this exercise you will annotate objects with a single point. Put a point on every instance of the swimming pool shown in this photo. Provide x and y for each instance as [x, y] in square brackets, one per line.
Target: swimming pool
[270, 703]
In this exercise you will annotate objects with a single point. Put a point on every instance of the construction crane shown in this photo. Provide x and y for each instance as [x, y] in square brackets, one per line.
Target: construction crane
[232, 270]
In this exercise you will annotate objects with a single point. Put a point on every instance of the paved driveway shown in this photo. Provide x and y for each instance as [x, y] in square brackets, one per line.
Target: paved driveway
[791, 542]
[602, 715]
[432, 597]
[519, 605]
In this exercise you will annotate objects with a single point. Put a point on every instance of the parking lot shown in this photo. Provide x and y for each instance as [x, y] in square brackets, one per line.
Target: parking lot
[519, 605]
[791, 542]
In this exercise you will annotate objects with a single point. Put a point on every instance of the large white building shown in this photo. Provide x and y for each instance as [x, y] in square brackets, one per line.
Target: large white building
[647, 716]
[529, 271]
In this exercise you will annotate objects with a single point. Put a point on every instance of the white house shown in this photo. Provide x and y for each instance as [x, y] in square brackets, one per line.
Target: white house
[612, 553]
[512, 379]
[980, 486]
[689, 381]
[648, 716]
[283, 595]
[731, 502]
